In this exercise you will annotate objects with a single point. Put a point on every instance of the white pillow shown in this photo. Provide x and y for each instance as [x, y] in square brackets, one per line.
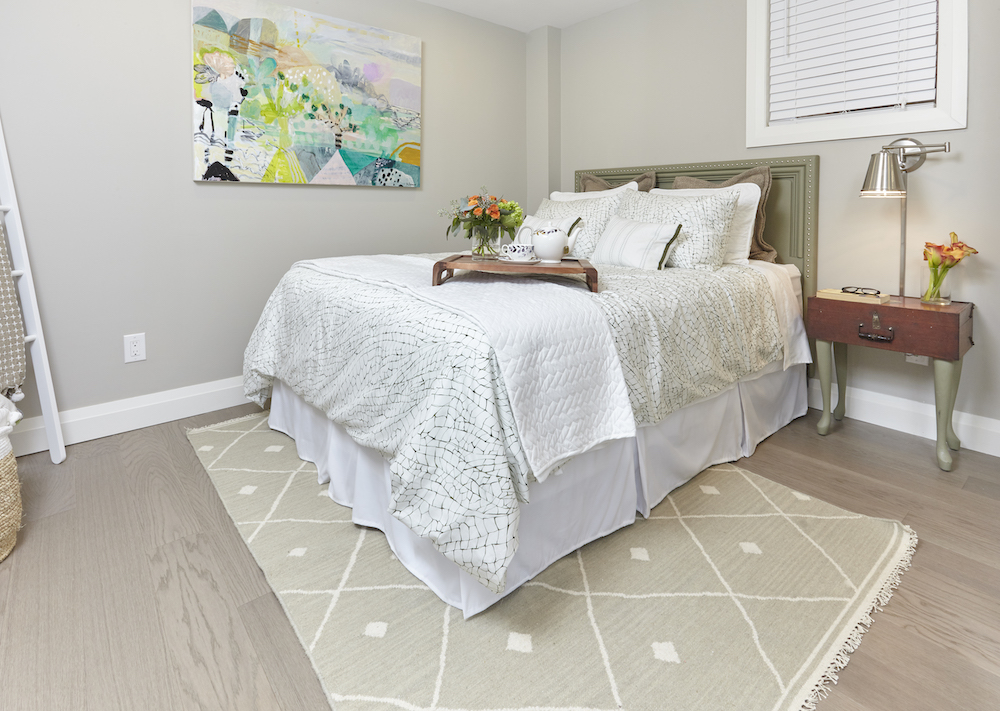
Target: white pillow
[705, 223]
[564, 197]
[595, 211]
[627, 243]
[741, 231]
[537, 223]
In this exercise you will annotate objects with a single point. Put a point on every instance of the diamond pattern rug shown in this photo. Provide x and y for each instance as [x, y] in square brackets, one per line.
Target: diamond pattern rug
[736, 593]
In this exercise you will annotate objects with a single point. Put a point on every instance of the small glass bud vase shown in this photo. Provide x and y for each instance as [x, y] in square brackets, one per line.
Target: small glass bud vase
[485, 242]
[935, 286]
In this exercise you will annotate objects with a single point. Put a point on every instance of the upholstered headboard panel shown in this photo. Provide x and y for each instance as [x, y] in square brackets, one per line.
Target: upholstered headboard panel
[791, 209]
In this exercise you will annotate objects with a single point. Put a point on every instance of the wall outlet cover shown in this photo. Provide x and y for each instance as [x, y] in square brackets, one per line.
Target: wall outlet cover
[135, 347]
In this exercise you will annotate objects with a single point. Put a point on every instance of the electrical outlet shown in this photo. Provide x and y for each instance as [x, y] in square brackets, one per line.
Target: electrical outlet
[135, 347]
[917, 360]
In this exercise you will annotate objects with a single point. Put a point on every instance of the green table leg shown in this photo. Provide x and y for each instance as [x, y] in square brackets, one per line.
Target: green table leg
[824, 365]
[950, 436]
[946, 376]
[840, 363]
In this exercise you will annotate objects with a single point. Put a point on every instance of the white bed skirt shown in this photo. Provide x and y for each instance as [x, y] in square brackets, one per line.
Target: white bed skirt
[593, 495]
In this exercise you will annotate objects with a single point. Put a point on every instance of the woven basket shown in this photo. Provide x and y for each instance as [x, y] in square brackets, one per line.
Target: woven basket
[10, 504]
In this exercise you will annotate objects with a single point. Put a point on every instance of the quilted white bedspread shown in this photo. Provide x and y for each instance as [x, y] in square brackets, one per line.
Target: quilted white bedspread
[467, 388]
[472, 388]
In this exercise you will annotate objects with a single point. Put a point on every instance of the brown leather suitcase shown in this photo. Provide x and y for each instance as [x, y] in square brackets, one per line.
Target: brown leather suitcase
[904, 324]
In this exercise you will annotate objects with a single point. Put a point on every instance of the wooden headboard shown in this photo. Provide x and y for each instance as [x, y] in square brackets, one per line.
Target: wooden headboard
[790, 212]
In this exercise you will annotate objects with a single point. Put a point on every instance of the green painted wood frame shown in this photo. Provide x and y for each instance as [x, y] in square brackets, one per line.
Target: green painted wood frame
[791, 209]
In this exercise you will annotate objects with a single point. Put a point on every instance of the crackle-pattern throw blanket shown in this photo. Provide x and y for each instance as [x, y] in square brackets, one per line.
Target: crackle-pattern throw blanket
[474, 388]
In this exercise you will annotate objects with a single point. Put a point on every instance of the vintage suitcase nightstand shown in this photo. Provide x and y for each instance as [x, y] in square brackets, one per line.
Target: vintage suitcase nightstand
[906, 325]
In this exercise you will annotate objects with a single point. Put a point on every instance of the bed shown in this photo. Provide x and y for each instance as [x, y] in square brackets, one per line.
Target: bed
[483, 462]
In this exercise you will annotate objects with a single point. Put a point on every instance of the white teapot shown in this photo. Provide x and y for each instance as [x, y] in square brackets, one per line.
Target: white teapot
[550, 243]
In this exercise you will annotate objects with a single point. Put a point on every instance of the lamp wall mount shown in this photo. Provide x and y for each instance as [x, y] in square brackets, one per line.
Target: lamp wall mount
[912, 153]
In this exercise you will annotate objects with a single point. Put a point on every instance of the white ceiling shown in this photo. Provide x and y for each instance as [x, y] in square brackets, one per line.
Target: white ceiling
[528, 15]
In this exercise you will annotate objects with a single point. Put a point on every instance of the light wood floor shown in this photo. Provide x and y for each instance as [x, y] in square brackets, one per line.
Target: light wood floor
[131, 589]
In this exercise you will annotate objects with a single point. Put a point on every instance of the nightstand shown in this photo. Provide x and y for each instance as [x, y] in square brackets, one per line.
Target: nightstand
[906, 325]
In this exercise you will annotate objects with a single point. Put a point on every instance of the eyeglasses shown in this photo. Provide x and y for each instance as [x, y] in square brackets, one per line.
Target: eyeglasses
[860, 290]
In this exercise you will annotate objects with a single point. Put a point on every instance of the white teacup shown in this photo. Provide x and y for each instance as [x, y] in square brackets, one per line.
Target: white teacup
[518, 252]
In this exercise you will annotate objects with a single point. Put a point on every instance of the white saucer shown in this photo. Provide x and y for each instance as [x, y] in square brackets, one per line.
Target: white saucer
[505, 258]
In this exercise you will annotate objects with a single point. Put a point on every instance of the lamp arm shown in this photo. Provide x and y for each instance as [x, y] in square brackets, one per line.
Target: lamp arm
[933, 148]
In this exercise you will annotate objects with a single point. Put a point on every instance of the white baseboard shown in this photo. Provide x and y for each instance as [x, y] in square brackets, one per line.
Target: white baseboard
[980, 434]
[133, 413]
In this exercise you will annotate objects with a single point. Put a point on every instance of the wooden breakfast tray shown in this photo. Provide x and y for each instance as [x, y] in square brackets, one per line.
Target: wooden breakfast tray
[445, 269]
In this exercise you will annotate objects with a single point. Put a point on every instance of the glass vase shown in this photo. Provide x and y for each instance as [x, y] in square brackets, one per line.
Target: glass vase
[485, 242]
[935, 287]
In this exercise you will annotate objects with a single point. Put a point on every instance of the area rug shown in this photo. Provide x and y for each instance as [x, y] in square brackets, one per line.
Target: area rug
[736, 593]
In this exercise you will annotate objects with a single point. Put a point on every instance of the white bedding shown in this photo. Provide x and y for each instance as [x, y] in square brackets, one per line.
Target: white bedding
[598, 492]
[686, 334]
[442, 382]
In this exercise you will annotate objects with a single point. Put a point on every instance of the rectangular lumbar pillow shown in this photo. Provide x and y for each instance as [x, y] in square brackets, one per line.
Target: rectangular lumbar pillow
[628, 243]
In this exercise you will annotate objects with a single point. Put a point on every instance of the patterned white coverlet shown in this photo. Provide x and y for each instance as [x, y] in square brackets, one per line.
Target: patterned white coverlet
[467, 388]
[686, 334]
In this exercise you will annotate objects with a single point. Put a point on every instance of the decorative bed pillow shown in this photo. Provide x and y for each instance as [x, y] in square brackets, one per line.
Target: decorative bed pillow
[590, 183]
[741, 230]
[705, 219]
[627, 243]
[760, 176]
[595, 213]
[537, 223]
[565, 197]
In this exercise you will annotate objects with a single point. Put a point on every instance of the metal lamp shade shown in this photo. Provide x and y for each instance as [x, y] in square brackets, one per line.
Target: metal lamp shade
[884, 178]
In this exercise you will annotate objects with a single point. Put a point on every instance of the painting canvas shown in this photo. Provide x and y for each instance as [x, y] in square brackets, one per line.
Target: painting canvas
[282, 95]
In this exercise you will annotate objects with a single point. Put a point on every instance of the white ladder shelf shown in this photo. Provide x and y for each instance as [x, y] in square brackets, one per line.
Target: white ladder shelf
[33, 335]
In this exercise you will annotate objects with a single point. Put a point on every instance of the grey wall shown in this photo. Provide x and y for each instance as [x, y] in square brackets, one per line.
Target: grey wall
[664, 82]
[96, 105]
[543, 118]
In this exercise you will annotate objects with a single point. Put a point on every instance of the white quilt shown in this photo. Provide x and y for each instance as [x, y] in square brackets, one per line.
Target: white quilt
[471, 388]
[467, 388]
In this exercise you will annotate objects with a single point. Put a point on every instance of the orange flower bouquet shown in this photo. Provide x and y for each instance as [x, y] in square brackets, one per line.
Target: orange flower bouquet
[484, 218]
[940, 259]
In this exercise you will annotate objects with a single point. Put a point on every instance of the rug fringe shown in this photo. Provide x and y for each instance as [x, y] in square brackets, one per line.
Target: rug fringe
[235, 420]
[822, 688]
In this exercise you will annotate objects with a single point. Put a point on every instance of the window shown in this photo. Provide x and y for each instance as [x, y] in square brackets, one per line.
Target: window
[820, 70]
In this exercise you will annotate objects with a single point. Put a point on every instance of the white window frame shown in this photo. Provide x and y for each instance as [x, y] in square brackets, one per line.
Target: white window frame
[949, 112]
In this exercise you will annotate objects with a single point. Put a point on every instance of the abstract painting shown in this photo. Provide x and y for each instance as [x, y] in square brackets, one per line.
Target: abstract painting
[283, 95]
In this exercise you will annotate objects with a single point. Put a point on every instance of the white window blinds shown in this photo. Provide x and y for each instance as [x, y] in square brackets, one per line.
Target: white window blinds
[836, 56]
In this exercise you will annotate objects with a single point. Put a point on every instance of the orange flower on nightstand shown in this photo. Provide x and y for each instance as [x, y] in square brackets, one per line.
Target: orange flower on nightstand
[940, 258]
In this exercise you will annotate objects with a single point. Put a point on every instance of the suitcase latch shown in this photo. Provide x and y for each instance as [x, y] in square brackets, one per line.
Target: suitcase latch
[876, 336]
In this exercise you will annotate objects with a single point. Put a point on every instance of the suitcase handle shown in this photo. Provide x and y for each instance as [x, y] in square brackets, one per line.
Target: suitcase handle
[876, 336]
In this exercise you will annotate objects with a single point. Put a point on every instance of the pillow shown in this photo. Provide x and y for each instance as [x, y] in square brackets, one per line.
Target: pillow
[627, 243]
[590, 183]
[595, 212]
[536, 223]
[706, 220]
[760, 176]
[563, 197]
[741, 231]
